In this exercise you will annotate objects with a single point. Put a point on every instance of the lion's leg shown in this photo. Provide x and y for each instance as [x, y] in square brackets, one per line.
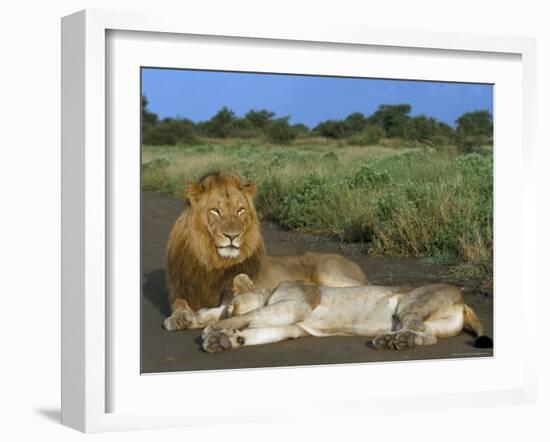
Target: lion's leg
[184, 318]
[229, 339]
[337, 271]
[181, 315]
[424, 315]
[278, 314]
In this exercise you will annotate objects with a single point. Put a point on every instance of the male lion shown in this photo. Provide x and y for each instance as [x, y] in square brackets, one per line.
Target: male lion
[395, 317]
[216, 237]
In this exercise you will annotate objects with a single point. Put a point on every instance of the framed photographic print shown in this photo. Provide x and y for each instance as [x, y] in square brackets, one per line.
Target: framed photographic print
[254, 211]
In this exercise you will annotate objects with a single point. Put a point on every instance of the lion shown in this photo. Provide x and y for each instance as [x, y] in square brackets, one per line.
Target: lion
[216, 237]
[394, 317]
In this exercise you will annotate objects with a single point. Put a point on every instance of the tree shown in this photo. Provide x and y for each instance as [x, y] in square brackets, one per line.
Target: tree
[280, 132]
[422, 128]
[392, 118]
[259, 119]
[474, 129]
[169, 132]
[301, 130]
[355, 122]
[475, 123]
[218, 125]
[369, 136]
[147, 118]
[241, 128]
[332, 129]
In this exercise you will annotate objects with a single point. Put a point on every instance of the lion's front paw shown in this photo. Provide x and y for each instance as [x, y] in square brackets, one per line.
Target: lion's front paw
[221, 340]
[179, 320]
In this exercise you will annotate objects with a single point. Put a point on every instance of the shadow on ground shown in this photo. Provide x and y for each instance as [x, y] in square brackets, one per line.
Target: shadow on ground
[155, 290]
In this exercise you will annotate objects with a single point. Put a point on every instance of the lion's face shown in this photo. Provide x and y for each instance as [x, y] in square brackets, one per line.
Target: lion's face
[223, 206]
[227, 217]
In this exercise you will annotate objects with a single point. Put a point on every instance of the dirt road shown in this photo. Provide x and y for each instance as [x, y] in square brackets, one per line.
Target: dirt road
[163, 351]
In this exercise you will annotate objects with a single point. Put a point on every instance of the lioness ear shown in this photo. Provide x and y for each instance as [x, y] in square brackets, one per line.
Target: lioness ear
[242, 284]
[250, 188]
[193, 191]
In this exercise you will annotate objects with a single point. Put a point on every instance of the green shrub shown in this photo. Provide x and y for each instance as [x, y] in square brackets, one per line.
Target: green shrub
[369, 136]
[368, 176]
[270, 197]
[332, 129]
[305, 202]
[169, 132]
[241, 128]
[280, 132]
[154, 177]
[473, 130]
[473, 143]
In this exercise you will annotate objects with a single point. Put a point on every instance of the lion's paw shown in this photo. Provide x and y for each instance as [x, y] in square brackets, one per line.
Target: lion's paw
[179, 321]
[221, 340]
[395, 341]
[382, 342]
[403, 340]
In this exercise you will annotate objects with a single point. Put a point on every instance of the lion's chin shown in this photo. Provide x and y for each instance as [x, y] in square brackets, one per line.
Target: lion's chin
[229, 252]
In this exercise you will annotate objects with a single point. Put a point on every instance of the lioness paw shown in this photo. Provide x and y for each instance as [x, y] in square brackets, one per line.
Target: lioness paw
[403, 340]
[222, 340]
[179, 321]
[395, 341]
[382, 342]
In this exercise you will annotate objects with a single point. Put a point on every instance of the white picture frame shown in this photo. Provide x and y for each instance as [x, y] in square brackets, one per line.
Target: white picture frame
[87, 207]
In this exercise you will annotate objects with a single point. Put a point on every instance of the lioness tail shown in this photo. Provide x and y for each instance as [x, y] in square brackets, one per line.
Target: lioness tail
[472, 321]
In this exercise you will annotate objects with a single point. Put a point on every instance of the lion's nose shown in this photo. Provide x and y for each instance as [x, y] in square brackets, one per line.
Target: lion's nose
[231, 236]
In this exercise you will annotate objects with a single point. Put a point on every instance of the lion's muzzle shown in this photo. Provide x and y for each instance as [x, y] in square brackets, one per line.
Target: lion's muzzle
[230, 245]
[229, 251]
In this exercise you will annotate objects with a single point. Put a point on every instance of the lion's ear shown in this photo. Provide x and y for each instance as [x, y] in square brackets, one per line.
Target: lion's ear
[193, 191]
[243, 284]
[250, 188]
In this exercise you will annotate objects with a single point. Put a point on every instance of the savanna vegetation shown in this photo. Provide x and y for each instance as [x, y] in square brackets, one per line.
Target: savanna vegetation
[395, 184]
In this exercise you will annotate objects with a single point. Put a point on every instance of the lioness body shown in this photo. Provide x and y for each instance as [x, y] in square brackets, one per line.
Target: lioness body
[217, 237]
[395, 317]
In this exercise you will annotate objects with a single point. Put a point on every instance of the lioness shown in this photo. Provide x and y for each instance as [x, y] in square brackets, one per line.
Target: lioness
[395, 317]
[218, 236]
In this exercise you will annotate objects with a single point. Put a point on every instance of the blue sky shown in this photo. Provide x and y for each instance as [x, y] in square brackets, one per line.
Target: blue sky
[198, 95]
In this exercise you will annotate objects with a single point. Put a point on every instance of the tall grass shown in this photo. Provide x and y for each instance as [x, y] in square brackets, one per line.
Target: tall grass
[408, 202]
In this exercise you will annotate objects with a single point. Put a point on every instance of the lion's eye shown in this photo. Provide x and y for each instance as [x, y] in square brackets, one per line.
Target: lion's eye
[240, 211]
[215, 211]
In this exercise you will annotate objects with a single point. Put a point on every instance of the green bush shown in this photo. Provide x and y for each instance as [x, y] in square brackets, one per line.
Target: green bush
[219, 125]
[473, 143]
[369, 136]
[332, 129]
[392, 118]
[270, 197]
[280, 132]
[474, 130]
[154, 177]
[169, 132]
[241, 128]
[304, 205]
[368, 176]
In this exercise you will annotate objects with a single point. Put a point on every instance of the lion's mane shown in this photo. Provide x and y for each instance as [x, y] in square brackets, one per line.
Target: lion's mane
[195, 270]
